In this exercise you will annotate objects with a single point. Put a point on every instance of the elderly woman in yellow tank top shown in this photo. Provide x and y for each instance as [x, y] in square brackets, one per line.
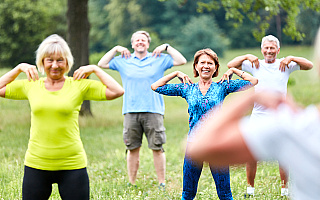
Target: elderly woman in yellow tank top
[55, 152]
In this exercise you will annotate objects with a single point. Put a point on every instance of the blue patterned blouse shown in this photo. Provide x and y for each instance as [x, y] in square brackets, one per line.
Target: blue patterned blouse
[198, 103]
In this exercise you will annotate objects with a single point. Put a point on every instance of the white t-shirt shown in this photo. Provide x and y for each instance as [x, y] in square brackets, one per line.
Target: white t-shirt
[292, 138]
[270, 78]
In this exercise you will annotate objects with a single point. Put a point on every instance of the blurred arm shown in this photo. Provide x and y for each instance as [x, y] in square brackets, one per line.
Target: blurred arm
[222, 142]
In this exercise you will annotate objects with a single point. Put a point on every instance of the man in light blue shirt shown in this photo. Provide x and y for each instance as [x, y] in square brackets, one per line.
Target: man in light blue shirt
[143, 108]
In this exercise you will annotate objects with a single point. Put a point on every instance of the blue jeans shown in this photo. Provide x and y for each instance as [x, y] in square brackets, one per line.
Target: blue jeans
[191, 175]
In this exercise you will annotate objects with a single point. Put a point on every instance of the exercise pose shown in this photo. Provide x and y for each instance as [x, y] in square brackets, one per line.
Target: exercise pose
[142, 108]
[55, 152]
[202, 97]
[273, 75]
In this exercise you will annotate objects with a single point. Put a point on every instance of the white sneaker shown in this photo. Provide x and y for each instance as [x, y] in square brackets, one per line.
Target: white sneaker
[250, 192]
[284, 192]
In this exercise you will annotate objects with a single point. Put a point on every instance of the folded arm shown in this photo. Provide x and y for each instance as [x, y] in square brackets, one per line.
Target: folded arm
[114, 89]
[237, 61]
[104, 61]
[30, 70]
[304, 63]
[164, 80]
[242, 74]
[178, 58]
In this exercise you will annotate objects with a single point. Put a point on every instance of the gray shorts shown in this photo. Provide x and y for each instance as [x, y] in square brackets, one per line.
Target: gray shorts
[135, 124]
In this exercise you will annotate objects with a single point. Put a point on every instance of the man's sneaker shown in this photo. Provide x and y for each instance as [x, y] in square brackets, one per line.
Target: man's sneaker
[162, 187]
[284, 192]
[250, 192]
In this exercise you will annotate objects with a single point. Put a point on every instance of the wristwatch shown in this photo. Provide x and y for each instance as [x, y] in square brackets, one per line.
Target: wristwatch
[167, 45]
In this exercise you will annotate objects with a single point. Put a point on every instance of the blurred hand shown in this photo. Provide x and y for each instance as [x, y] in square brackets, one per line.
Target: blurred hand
[272, 100]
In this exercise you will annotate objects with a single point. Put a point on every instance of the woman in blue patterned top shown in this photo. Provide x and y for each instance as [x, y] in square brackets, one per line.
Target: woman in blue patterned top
[202, 97]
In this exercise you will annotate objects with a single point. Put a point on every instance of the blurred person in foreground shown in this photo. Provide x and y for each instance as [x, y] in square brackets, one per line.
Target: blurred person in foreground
[142, 108]
[55, 151]
[273, 74]
[201, 97]
[290, 135]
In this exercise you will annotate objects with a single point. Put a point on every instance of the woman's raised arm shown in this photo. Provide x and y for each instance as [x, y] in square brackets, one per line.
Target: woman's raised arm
[30, 70]
[164, 80]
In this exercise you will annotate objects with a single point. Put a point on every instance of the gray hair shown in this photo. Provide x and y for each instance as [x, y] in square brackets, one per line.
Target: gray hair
[141, 32]
[270, 38]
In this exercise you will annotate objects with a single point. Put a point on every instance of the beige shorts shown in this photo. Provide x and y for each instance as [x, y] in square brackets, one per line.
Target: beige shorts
[135, 124]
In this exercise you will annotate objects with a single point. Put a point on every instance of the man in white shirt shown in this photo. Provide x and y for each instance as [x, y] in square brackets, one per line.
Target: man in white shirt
[273, 75]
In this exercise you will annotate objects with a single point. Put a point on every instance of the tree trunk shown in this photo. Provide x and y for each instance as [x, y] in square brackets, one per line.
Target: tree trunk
[78, 39]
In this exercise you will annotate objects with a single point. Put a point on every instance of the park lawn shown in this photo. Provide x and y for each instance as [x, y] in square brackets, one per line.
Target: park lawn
[102, 139]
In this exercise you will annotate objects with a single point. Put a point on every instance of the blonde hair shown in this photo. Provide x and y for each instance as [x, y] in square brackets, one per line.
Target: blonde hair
[212, 55]
[141, 32]
[53, 44]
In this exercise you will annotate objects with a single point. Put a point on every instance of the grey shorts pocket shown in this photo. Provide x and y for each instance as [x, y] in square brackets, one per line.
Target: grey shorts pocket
[159, 137]
[126, 138]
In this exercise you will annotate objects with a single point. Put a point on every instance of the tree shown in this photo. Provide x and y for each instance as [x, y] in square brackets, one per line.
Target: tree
[78, 39]
[23, 26]
[125, 17]
[310, 29]
[261, 11]
[199, 33]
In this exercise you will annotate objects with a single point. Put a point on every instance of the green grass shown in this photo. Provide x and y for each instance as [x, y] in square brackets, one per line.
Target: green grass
[102, 138]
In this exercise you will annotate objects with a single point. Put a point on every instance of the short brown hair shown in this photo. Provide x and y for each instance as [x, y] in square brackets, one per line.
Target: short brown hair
[212, 55]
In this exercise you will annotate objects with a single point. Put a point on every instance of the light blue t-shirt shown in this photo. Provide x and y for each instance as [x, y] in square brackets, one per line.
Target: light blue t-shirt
[137, 76]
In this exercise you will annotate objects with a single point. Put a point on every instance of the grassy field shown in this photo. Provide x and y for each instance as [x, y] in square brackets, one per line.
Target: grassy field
[102, 138]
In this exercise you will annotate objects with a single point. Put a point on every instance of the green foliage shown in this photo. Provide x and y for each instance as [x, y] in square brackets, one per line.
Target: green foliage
[23, 25]
[308, 22]
[99, 32]
[240, 37]
[199, 33]
[124, 17]
[237, 10]
[238, 21]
